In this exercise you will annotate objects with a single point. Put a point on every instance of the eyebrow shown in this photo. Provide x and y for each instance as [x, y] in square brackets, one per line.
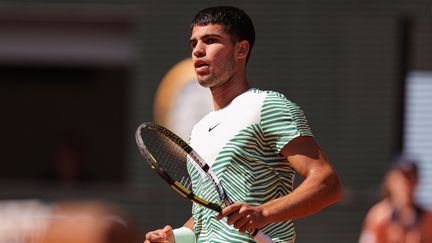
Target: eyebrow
[204, 37]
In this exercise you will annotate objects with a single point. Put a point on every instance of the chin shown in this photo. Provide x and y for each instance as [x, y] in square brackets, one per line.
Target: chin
[205, 83]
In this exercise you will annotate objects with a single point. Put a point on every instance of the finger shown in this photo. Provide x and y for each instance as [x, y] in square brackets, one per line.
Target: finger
[233, 217]
[228, 210]
[236, 216]
[225, 212]
[242, 223]
[167, 230]
[156, 240]
[246, 225]
[156, 236]
[147, 241]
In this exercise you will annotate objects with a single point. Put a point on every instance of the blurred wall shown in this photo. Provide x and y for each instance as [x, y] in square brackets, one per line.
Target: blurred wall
[339, 60]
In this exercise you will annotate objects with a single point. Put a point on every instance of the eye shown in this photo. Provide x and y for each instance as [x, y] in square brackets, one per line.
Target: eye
[210, 41]
[192, 44]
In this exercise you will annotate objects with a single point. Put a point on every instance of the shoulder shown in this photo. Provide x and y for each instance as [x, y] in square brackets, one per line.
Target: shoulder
[380, 212]
[277, 99]
[268, 93]
[277, 104]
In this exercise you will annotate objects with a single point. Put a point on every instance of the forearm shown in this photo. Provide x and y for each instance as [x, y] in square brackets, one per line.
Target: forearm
[320, 188]
[314, 193]
[189, 223]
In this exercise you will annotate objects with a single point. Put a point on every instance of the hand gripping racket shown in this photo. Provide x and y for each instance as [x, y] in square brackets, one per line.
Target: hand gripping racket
[175, 162]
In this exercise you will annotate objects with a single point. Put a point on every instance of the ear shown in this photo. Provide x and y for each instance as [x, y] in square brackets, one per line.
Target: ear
[242, 49]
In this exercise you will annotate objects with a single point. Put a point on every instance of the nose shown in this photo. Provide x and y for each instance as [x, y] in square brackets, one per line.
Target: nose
[198, 50]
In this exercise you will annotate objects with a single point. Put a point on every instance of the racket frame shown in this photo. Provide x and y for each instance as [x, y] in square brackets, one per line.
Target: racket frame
[199, 164]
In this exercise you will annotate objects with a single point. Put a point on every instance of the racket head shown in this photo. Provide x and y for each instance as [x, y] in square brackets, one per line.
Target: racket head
[172, 159]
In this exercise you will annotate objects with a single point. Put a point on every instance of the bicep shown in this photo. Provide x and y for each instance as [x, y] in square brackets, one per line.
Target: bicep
[306, 157]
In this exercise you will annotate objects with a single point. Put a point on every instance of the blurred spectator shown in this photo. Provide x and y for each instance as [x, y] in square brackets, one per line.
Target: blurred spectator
[397, 218]
[23, 221]
[32, 221]
[90, 222]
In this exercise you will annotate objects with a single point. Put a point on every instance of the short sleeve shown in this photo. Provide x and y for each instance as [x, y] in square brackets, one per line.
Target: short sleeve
[282, 120]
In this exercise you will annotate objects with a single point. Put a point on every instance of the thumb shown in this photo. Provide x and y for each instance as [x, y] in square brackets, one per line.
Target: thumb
[168, 230]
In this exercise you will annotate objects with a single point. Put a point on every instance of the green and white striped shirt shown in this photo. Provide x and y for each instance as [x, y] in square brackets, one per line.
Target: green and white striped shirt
[242, 144]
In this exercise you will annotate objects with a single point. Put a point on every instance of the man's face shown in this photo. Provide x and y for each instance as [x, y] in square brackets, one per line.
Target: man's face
[213, 55]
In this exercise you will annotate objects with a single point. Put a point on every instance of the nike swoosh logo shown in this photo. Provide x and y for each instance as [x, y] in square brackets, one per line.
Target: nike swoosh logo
[213, 127]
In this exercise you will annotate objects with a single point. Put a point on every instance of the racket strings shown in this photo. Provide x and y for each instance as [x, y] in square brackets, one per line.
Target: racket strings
[169, 156]
[180, 165]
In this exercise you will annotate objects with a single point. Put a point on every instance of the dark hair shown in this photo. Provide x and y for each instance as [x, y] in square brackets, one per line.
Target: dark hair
[234, 20]
[405, 164]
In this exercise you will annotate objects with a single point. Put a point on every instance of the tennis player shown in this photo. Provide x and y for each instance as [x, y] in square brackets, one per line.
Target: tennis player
[254, 141]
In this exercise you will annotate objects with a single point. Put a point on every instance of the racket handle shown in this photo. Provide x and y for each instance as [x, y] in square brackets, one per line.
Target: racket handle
[260, 237]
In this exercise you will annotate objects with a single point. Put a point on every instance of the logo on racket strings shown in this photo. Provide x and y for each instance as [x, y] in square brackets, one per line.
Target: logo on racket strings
[170, 135]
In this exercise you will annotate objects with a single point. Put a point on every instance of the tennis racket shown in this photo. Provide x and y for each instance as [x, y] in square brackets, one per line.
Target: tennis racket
[175, 162]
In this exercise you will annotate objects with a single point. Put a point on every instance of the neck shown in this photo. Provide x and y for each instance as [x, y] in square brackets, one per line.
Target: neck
[224, 94]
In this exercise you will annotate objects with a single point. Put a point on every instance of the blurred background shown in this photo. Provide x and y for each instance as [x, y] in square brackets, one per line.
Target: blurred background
[78, 77]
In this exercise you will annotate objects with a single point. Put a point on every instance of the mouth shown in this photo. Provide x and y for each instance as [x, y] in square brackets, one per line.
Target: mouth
[201, 67]
[200, 63]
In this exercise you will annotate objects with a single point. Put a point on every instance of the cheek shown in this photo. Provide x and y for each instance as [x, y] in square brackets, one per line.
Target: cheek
[219, 52]
[223, 59]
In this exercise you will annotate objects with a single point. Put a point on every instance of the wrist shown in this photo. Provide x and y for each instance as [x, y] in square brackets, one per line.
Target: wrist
[184, 235]
[265, 214]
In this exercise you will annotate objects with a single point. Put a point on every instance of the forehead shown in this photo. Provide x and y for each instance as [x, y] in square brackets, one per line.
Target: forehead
[210, 29]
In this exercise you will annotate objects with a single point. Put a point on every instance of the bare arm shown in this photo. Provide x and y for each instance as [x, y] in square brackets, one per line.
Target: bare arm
[189, 223]
[320, 188]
